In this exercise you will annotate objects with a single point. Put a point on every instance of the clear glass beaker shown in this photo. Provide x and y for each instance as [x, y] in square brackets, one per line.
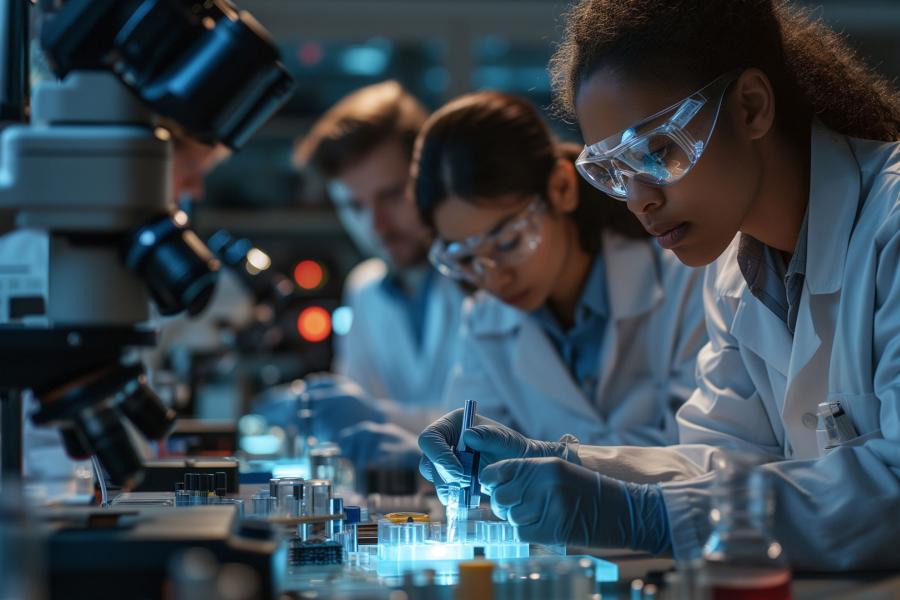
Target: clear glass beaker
[742, 560]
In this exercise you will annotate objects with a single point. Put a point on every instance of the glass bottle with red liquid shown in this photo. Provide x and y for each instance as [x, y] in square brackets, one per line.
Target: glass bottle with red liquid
[742, 560]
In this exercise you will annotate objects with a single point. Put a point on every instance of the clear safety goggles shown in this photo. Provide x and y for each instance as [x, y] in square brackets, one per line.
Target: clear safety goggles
[659, 150]
[470, 259]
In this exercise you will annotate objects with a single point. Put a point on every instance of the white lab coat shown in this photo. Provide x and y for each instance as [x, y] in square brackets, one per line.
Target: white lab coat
[759, 387]
[380, 351]
[644, 373]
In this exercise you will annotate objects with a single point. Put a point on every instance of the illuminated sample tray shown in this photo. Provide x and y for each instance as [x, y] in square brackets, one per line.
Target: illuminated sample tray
[499, 540]
[423, 545]
[405, 547]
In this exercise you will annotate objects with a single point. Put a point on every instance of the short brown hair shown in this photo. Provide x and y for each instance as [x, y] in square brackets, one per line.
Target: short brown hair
[358, 124]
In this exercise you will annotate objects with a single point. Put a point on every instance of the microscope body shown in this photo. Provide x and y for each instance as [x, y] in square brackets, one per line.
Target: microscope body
[87, 172]
[89, 234]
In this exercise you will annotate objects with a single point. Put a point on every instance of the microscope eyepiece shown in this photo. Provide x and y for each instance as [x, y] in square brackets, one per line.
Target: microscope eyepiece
[106, 435]
[177, 267]
[145, 409]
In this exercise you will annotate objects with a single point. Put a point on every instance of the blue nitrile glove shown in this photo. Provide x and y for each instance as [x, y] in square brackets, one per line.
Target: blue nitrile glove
[325, 393]
[278, 404]
[379, 444]
[338, 402]
[325, 379]
[494, 441]
[551, 501]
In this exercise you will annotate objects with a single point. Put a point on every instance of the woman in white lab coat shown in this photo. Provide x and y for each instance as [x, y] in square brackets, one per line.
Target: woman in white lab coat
[799, 219]
[583, 325]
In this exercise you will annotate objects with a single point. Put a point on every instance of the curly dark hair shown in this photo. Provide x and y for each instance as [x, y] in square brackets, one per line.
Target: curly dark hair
[813, 70]
[485, 145]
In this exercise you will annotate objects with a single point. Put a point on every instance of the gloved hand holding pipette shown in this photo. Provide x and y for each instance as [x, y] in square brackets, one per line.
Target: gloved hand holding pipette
[491, 439]
[542, 489]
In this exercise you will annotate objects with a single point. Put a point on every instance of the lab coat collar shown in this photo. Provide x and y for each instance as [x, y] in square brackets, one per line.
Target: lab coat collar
[407, 283]
[593, 299]
[834, 198]
[632, 275]
[538, 365]
[633, 287]
[833, 201]
[488, 316]
[592, 303]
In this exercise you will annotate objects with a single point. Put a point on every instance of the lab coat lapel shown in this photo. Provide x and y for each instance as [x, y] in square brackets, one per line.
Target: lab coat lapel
[537, 363]
[833, 204]
[756, 328]
[761, 332]
[806, 386]
[832, 211]
[634, 289]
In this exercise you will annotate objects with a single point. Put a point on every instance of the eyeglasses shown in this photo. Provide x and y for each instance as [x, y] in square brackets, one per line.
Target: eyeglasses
[659, 150]
[470, 259]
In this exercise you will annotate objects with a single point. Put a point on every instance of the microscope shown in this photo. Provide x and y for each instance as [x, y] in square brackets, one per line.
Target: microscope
[89, 233]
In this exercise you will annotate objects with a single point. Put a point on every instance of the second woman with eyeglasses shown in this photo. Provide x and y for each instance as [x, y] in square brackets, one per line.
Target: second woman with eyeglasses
[582, 324]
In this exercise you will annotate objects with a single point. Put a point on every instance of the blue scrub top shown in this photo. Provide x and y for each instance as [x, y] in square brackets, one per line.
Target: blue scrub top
[777, 287]
[415, 301]
[579, 347]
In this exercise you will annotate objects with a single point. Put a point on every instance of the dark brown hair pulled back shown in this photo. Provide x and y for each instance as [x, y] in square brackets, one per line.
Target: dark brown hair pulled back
[486, 145]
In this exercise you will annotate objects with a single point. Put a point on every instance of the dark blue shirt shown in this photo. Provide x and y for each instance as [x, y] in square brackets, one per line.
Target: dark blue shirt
[779, 289]
[415, 300]
[579, 346]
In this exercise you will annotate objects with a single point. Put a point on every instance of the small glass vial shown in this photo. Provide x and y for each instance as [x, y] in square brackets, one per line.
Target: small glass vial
[741, 559]
[347, 536]
[263, 505]
[337, 526]
[182, 496]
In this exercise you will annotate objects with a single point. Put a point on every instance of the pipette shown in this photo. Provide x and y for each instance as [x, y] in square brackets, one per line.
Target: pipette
[464, 494]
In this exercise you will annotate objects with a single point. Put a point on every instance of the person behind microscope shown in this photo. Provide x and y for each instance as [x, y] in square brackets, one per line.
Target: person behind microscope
[395, 359]
[746, 136]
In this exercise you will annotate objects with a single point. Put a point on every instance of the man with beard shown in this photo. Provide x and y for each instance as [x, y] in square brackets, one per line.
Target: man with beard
[394, 362]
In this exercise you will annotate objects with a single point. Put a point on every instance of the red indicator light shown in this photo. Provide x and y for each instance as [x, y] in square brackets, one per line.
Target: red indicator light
[314, 324]
[309, 274]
